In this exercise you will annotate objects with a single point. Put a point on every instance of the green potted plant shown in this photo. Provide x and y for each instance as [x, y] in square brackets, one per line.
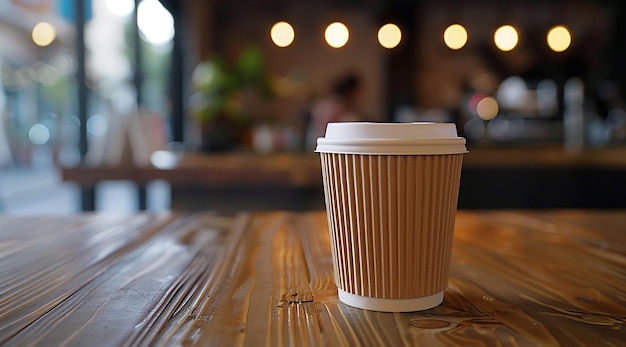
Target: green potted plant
[223, 98]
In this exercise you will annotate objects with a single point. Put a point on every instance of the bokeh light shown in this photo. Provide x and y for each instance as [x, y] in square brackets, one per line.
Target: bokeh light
[389, 35]
[499, 128]
[282, 34]
[505, 38]
[512, 92]
[155, 22]
[164, 159]
[455, 36]
[487, 108]
[64, 63]
[337, 35]
[97, 125]
[47, 75]
[547, 98]
[474, 129]
[559, 38]
[473, 101]
[120, 8]
[39, 134]
[43, 34]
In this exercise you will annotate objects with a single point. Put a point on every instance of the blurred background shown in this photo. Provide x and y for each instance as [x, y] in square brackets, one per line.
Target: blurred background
[536, 87]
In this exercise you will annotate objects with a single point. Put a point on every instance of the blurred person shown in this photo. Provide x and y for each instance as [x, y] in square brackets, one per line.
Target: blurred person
[340, 106]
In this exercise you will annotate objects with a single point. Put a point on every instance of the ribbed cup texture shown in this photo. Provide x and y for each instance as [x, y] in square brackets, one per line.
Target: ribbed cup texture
[391, 221]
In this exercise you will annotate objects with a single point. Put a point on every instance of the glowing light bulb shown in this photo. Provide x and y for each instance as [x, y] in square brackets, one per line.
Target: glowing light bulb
[455, 36]
[505, 38]
[337, 35]
[282, 34]
[389, 35]
[559, 38]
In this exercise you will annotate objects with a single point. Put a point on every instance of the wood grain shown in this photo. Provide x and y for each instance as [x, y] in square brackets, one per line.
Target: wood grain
[518, 278]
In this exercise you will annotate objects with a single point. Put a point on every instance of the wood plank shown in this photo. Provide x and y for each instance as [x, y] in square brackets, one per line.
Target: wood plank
[519, 278]
[509, 283]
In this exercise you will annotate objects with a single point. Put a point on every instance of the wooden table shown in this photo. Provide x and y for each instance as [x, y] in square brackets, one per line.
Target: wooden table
[518, 278]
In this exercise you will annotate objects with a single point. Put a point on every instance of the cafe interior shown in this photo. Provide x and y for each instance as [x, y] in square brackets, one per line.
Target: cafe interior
[182, 104]
[161, 182]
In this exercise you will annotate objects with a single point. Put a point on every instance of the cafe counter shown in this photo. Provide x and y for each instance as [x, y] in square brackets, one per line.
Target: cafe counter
[493, 177]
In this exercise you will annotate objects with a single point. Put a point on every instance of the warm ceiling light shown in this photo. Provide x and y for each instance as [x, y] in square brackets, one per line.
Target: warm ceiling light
[337, 35]
[559, 38]
[282, 34]
[43, 34]
[389, 35]
[455, 36]
[505, 38]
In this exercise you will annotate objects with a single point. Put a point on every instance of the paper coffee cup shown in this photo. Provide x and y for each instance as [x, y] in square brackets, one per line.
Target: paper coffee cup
[391, 191]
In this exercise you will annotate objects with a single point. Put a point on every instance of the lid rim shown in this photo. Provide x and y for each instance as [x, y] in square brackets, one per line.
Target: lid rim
[391, 138]
[392, 146]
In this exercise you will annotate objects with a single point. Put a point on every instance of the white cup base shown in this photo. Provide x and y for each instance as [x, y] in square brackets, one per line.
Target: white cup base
[391, 305]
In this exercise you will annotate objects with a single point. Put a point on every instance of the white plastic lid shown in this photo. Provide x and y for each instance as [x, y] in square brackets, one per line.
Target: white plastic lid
[391, 138]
